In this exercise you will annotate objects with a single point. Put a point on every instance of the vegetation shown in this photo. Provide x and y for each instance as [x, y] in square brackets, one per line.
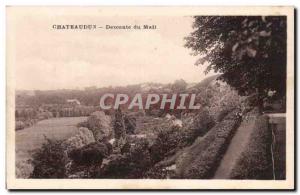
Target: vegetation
[148, 146]
[82, 138]
[100, 124]
[119, 125]
[28, 117]
[173, 138]
[131, 164]
[49, 161]
[255, 162]
[130, 124]
[202, 123]
[201, 159]
[167, 140]
[32, 139]
[90, 154]
[142, 141]
[179, 85]
[249, 51]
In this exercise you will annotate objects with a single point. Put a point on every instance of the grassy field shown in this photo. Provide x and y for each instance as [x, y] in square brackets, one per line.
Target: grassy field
[33, 137]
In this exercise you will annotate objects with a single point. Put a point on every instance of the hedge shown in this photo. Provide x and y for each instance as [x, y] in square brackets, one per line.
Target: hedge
[255, 161]
[200, 160]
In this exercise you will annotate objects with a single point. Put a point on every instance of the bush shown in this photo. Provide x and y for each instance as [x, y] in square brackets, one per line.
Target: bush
[122, 145]
[255, 162]
[172, 138]
[100, 125]
[156, 172]
[200, 125]
[200, 160]
[90, 154]
[131, 165]
[140, 158]
[167, 140]
[82, 138]
[130, 124]
[220, 99]
[20, 125]
[23, 169]
[49, 161]
[83, 124]
[115, 166]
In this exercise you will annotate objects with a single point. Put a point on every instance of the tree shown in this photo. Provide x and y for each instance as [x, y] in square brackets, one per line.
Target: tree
[250, 51]
[119, 125]
[130, 124]
[179, 85]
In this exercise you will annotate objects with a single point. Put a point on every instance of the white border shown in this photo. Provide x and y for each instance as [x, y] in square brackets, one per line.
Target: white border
[86, 183]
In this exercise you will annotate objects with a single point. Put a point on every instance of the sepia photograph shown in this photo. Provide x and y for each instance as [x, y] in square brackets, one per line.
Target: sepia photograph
[150, 97]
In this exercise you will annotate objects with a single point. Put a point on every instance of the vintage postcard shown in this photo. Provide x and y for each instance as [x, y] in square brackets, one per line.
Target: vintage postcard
[150, 97]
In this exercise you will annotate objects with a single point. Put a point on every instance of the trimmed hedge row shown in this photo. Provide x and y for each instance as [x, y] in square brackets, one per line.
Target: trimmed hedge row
[200, 160]
[255, 161]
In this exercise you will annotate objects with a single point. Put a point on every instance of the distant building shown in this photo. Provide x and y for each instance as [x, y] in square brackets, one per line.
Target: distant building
[73, 101]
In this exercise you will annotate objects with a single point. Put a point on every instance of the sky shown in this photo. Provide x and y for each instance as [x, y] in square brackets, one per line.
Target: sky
[45, 58]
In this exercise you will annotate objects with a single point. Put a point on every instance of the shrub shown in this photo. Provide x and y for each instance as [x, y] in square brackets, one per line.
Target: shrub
[200, 125]
[115, 166]
[23, 169]
[220, 99]
[166, 141]
[128, 165]
[172, 138]
[100, 125]
[140, 158]
[20, 125]
[83, 124]
[49, 161]
[200, 160]
[222, 114]
[82, 138]
[90, 154]
[255, 161]
[130, 124]
[156, 172]
[122, 145]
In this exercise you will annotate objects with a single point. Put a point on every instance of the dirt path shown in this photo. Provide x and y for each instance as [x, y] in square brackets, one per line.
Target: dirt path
[235, 148]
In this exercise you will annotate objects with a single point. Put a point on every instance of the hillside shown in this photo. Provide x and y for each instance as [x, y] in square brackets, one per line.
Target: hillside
[159, 136]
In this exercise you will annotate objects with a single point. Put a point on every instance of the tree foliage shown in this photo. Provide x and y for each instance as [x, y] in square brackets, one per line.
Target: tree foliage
[119, 125]
[250, 51]
[179, 85]
[49, 160]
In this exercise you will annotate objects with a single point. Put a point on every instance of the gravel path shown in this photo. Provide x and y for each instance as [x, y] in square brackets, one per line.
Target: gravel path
[235, 148]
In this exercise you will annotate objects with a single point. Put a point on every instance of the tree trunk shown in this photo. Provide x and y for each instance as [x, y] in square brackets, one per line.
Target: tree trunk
[260, 100]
